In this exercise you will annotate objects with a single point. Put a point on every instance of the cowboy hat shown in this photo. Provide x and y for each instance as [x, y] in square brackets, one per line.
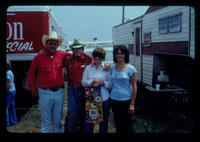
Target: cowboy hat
[52, 36]
[77, 44]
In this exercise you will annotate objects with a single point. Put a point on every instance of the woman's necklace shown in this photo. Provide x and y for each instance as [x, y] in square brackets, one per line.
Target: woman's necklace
[121, 66]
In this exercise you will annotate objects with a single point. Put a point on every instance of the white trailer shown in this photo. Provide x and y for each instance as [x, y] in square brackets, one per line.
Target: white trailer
[162, 30]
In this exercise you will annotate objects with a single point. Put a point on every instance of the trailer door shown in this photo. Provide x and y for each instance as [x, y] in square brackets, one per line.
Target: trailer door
[138, 53]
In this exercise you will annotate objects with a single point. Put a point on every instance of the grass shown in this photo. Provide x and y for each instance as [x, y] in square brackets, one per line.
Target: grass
[144, 121]
[29, 121]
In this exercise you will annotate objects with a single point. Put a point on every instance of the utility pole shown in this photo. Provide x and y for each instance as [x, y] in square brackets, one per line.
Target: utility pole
[122, 14]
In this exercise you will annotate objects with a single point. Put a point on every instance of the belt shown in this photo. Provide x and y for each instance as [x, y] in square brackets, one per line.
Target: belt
[52, 89]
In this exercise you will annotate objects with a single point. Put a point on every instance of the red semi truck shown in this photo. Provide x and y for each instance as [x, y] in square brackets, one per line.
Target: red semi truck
[24, 30]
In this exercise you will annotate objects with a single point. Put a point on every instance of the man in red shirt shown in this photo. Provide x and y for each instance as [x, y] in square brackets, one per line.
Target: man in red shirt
[49, 69]
[75, 65]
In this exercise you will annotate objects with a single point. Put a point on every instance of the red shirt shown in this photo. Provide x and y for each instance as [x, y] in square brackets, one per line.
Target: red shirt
[75, 67]
[50, 70]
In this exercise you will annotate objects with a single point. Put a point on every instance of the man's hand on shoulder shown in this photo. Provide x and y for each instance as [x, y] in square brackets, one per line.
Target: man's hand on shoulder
[107, 66]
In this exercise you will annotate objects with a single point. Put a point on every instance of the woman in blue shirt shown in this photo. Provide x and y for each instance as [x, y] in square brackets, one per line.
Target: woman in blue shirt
[124, 89]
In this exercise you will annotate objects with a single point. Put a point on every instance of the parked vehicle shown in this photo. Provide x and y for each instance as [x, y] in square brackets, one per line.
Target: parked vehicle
[25, 27]
[161, 39]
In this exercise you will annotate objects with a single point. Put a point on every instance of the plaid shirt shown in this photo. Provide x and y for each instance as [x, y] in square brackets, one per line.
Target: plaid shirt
[75, 67]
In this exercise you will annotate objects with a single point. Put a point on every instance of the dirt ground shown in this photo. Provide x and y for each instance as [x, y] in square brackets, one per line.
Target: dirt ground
[147, 118]
[29, 121]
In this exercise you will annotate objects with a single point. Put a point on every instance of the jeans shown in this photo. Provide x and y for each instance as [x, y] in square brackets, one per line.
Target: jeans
[11, 116]
[74, 121]
[122, 118]
[51, 108]
[103, 125]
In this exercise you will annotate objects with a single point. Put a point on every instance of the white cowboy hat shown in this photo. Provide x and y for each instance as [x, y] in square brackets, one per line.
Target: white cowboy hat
[77, 44]
[52, 36]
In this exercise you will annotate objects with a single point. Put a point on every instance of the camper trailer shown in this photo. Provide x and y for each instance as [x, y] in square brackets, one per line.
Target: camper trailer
[160, 41]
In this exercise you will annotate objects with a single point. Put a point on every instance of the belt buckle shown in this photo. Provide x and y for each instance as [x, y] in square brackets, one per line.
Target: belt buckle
[53, 89]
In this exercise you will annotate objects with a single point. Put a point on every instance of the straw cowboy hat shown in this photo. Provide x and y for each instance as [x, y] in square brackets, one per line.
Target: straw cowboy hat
[52, 36]
[77, 44]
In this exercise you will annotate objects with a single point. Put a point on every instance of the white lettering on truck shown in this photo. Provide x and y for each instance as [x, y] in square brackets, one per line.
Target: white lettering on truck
[19, 46]
[15, 30]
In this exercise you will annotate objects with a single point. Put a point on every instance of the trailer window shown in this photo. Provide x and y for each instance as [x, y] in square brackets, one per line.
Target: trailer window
[170, 24]
[175, 23]
[147, 39]
[137, 40]
[163, 25]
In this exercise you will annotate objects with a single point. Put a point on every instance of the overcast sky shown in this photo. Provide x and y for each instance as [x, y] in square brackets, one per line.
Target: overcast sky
[87, 22]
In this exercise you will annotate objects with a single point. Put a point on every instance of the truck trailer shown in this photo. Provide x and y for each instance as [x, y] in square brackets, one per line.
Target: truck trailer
[25, 27]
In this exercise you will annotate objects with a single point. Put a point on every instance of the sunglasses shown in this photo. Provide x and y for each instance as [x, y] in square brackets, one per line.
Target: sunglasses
[98, 55]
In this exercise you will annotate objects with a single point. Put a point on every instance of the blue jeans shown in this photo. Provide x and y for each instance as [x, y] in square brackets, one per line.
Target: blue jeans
[103, 125]
[74, 121]
[11, 116]
[51, 108]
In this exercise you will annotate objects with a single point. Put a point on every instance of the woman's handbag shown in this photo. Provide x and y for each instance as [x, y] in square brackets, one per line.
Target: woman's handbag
[93, 105]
